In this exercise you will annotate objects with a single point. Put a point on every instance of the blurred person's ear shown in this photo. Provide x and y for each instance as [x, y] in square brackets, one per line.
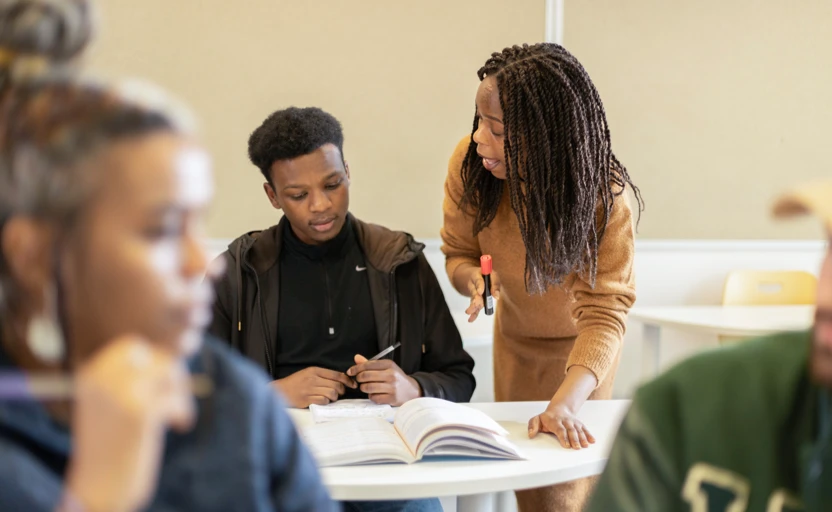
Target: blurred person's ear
[26, 246]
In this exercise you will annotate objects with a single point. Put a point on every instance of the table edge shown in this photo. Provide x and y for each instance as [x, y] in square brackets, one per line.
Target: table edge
[710, 329]
[498, 483]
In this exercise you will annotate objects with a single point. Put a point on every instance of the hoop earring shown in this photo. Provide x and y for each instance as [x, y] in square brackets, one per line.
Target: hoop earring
[43, 335]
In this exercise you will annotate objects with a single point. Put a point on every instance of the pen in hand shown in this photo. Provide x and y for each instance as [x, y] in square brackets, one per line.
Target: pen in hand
[378, 356]
[386, 351]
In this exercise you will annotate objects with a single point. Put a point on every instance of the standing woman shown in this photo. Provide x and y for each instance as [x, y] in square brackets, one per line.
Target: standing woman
[537, 187]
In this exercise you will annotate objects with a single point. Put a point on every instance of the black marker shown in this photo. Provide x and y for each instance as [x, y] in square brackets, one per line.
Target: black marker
[487, 299]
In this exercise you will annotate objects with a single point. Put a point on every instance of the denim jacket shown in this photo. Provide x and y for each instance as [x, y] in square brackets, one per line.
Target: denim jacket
[243, 453]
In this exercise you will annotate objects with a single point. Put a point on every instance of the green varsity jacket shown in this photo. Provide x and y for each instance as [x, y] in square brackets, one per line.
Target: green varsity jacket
[738, 429]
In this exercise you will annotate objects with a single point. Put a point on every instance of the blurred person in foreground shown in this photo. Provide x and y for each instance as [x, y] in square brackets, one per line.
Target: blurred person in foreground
[101, 279]
[741, 428]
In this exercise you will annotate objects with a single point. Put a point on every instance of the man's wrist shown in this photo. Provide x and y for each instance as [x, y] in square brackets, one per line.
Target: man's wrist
[290, 401]
[418, 387]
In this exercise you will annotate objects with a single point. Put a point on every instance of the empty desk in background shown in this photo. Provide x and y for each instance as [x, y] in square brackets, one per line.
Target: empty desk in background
[474, 482]
[726, 323]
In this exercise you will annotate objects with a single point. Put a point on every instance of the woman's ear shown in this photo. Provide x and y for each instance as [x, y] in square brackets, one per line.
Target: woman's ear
[26, 245]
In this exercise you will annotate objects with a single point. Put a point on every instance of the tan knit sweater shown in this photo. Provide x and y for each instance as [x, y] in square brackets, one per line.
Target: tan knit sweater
[595, 315]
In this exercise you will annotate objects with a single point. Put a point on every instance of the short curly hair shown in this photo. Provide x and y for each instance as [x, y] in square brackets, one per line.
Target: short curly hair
[290, 133]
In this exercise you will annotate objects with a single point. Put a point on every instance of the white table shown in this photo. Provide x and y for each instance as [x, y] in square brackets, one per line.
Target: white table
[727, 323]
[474, 482]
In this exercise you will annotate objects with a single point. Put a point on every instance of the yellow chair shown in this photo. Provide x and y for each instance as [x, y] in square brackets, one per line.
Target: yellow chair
[769, 288]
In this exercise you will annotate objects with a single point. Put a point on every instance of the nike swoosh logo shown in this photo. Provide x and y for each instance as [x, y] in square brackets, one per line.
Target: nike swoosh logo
[360, 269]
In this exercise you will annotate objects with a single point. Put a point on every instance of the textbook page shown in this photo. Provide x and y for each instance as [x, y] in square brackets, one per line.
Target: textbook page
[418, 418]
[345, 409]
[355, 441]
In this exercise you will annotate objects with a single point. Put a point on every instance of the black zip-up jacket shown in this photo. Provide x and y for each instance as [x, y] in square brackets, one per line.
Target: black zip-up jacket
[408, 304]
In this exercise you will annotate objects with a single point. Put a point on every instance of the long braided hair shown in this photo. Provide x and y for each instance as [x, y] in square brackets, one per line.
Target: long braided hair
[559, 162]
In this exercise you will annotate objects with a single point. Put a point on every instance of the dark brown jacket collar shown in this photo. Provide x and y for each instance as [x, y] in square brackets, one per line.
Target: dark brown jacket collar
[383, 248]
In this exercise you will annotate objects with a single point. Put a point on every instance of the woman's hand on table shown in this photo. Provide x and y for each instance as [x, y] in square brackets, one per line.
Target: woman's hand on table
[560, 417]
[564, 424]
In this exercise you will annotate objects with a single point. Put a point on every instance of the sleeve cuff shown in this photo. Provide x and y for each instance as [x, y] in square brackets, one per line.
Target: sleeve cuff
[429, 387]
[596, 353]
[454, 262]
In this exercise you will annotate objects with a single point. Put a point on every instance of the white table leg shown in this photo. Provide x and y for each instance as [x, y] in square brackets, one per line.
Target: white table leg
[650, 355]
[475, 503]
[506, 502]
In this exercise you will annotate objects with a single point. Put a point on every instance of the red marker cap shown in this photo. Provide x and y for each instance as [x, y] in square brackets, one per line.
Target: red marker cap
[485, 264]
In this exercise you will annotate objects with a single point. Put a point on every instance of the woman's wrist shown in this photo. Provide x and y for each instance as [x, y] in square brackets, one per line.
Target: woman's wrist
[579, 383]
[76, 499]
[462, 276]
[91, 493]
[69, 503]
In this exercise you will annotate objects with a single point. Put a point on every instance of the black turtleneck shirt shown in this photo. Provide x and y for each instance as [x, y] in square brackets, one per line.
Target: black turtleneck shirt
[325, 312]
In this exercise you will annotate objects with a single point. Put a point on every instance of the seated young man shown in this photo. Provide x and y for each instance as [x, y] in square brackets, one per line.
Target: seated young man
[314, 297]
[743, 428]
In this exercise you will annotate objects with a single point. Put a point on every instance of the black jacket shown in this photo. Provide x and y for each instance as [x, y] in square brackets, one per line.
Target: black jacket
[408, 303]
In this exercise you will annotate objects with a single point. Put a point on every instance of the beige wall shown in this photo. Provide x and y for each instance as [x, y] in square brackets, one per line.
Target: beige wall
[714, 105]
[401, 77]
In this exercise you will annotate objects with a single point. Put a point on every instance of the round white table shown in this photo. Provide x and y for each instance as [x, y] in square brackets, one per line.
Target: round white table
[474, 482]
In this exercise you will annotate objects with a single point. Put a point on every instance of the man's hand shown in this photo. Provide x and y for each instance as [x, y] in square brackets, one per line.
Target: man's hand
[384, 381]
[313, 385]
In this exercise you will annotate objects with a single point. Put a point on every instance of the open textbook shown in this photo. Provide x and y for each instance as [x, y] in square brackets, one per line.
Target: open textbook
[351, 408]
[422, 427]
